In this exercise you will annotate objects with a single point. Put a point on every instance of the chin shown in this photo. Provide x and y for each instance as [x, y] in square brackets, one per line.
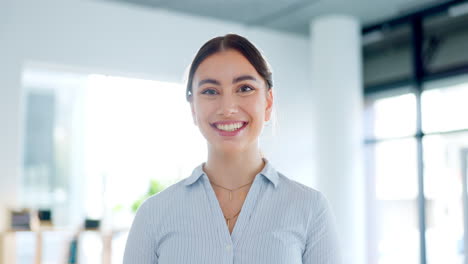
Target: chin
[229, 147]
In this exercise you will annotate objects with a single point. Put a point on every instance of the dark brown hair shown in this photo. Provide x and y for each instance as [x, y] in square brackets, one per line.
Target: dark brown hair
[234, 42]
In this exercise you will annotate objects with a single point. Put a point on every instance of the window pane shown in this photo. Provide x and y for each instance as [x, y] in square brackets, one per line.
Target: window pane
[445, 108]
[398, 232]
[443, 191]
[396, 170]
[391, 117]
[394, 208]
[134, 134]
[446, 39]
[51, 112]
[387, 55]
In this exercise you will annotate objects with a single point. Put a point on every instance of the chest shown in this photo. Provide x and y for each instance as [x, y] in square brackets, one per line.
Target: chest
[205, 245]
[231, 204]
[260, 234]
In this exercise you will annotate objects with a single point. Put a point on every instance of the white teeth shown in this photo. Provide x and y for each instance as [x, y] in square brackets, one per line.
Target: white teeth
[230, 127]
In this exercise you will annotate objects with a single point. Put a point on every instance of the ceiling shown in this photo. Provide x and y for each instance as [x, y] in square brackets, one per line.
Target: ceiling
[291, 16]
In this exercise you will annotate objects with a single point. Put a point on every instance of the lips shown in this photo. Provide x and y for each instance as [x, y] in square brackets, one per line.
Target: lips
[228, 122]
[229, 128]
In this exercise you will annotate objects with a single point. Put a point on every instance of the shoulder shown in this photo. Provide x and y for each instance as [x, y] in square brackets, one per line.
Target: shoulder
[314, 204]
[309, 202]
[164, 199]
[300, 191]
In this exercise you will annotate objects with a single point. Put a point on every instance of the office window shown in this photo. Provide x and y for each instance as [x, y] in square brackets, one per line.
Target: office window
[392, 171]
[396, 194]
[427, 51]
[444, 119]
[446, 39]
[93, 143]
[51, 158]
[443, 191]
[444, 105]
[391, 117]
[386, 55]
[135, 131]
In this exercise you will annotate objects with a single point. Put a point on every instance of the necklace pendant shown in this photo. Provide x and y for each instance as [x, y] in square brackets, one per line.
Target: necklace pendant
[230, 195]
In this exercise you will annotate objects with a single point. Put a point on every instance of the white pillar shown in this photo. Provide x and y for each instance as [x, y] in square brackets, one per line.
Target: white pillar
[10, 136]
[336, 82]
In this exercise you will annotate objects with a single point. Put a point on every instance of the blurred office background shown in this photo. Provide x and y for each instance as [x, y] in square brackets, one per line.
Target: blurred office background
[371, 101]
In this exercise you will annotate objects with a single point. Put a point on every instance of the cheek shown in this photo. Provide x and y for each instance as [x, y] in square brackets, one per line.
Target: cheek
[256, 108]
[203, 111]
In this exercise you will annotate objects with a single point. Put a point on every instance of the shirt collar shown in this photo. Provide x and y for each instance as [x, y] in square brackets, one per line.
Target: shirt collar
[268, 172]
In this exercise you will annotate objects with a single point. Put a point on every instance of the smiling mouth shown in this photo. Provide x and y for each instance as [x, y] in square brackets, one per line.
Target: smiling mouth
[230, 127]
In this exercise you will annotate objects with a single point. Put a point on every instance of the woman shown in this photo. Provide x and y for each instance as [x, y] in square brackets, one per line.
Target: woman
[235, 207]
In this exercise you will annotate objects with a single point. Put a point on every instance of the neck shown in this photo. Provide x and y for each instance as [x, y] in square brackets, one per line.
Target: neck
[232, 170]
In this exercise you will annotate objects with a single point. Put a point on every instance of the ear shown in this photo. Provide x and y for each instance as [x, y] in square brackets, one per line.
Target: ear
[269, 107]
[194, 116]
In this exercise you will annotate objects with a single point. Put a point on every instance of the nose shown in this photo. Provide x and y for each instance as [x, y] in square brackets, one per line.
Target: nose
[228, 105]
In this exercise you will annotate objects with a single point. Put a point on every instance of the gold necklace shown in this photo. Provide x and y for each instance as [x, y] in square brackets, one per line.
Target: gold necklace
[228, 219]
[230, 190]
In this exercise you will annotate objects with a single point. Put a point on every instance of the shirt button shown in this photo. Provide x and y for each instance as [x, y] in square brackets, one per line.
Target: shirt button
[228, 247]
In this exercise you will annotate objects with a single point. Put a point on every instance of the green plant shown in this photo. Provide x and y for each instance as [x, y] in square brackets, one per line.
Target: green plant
[154, 188]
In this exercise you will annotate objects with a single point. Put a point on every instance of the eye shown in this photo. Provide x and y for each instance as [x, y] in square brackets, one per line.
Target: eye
[209, 92]
[246, 88]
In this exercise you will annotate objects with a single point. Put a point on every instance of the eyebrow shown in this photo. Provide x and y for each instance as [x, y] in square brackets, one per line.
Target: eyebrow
[235, 80]
[212, 81]
[244, 78]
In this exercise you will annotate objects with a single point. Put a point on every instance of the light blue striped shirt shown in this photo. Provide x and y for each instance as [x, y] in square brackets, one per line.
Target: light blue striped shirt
[281, 221]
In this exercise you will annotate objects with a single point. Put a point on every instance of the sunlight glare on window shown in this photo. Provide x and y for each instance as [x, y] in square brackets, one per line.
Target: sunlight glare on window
[444, 200]
[395, 116]
[445, 109]
[135, 130]
[396, 171]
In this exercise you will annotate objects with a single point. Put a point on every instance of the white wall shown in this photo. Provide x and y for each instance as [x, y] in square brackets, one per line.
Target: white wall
[106, 37]
[9, 116]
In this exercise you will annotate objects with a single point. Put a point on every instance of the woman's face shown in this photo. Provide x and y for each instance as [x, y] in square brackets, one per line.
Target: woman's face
[230, 102]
